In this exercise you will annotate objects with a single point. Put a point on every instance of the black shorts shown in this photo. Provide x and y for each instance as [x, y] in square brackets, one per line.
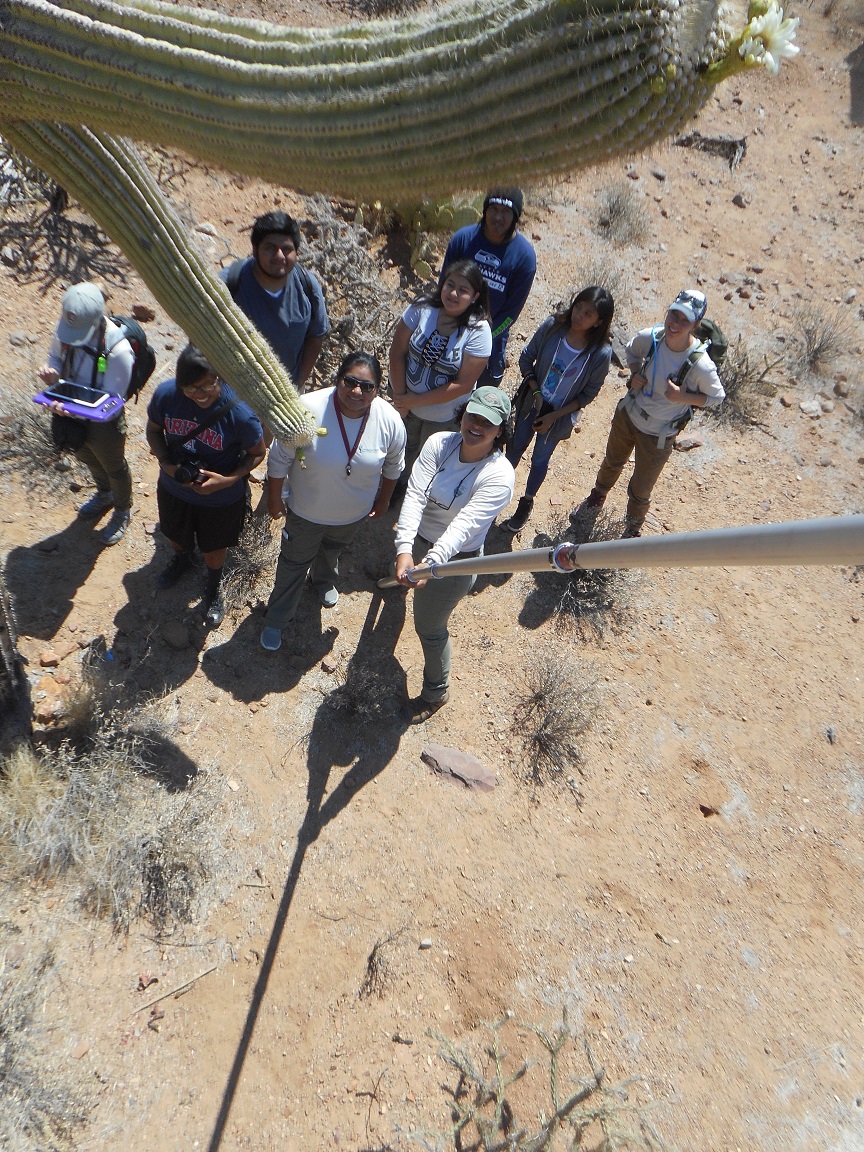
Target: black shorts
[213, 528]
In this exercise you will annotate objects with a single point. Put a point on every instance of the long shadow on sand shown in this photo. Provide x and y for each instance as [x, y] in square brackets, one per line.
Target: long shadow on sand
[357, 727]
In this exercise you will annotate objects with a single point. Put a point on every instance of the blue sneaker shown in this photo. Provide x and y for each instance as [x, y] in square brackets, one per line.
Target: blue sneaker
[271, 639]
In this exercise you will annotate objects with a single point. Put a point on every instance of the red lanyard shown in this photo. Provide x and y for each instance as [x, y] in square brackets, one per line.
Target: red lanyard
[348, 449]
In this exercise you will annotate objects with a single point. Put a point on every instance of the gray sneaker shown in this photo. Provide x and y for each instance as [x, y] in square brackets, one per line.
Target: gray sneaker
[115, 529]
[94, 506]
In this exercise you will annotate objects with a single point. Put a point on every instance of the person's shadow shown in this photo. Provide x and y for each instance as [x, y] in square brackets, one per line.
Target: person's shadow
[498, 542]
[44, 578]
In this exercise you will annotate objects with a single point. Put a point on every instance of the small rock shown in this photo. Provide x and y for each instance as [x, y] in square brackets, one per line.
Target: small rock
[175, 634]
[855, 618]
[424, 944]
[206, 228]
[460, 766]
[9, 255]
[785, 401]
[825, 461]
[233, 785]
[329, 665]
[628, 959]
[658, 174]
[850, 296]
[632, 174]
[143, 312]
[811, 408]
[49, 658]
[81, 1049]
[253, 708]
[757, 268]
[831, 735]
[738, 200]
[151, 528]
[841, 388]
[827, 405]
[17, 339]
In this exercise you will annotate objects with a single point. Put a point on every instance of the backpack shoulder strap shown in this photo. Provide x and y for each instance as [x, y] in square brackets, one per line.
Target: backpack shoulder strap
[693, 356]
[232, 278]
[655, 342]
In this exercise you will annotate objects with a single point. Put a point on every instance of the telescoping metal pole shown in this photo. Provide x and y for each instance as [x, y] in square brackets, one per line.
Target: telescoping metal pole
[834, 540]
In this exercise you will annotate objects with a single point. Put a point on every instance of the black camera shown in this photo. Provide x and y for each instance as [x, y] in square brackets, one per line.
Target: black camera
[188, 472]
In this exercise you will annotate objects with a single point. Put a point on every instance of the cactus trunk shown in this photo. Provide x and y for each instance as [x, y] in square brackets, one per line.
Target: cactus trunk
[393, 110]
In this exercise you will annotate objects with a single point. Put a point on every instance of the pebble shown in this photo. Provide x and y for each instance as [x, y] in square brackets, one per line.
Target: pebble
[841, 388]
[831, 735]
[424, 944]
[143, 312]
[17, 339]
[658, 174]
[329, 665]
[850, 296]
[827, 405]
[9, 255]
[785, 401]
[206, 228]
[49, 658]
[811, 408]
[825, 461]
[738, 200]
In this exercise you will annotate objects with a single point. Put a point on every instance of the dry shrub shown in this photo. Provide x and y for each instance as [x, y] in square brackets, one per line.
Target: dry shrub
[553, 711]
[821, 334]
[489, 1090]
[362, 312]
[748, 389]
[378, 972]
[596, 600]
[249, 571]
[92, 810]
[39, 1110]
[622, 217]
[27, 450]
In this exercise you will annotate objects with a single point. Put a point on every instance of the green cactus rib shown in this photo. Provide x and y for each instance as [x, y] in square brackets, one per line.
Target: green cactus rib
[395, 109]
[110, 178]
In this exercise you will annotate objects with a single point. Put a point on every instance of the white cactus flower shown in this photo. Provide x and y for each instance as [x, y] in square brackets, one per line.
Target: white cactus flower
[768, 38]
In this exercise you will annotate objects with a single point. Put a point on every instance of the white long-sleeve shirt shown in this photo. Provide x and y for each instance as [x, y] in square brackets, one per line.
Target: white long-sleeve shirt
[119, 362]
[450, 503]
[322, 492]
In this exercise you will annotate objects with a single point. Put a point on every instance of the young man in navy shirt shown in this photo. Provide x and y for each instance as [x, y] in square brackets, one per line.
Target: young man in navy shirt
[507, 262]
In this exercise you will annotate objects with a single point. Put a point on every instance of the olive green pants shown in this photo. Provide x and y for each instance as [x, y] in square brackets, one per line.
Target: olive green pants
[433, 605]
[104, 453]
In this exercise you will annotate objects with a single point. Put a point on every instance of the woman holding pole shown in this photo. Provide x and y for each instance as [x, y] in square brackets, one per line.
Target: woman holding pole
[459, 484]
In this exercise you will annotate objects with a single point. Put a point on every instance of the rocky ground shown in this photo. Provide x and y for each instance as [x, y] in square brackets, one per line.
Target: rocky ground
[691, 891]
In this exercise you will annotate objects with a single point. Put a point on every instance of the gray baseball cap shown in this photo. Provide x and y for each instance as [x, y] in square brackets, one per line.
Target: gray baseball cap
[83, 308]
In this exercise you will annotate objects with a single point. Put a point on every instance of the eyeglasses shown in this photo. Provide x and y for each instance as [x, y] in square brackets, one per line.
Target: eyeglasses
[365, 386]
[206, 388]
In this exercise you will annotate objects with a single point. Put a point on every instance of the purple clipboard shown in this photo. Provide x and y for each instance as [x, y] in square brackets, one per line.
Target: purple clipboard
[81, 401]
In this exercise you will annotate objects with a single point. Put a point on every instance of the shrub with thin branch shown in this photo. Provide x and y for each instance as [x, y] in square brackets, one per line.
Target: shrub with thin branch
[622, 217]
[552, 713]
[821, 334]
[249, 571]
[483, 1113]
[596, 600]
[27, 450]
[746, 384]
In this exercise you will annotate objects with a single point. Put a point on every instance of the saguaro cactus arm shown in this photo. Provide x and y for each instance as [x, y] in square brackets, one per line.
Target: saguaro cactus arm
[389, 109]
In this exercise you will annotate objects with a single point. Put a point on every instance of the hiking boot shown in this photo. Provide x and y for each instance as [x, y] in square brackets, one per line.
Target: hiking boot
[589, 507]
[418, 710]
[94, 506]
[632, 529]
[115, 529]
[520, 517]
[214, 611]
[271, 639]
[178, 566]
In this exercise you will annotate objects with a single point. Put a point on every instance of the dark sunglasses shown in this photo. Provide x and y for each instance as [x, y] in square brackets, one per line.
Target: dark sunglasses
[355, 382]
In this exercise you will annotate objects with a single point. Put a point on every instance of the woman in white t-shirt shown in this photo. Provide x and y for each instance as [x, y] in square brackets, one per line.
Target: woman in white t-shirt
[563, 368]
[440, 348]
[458, 485]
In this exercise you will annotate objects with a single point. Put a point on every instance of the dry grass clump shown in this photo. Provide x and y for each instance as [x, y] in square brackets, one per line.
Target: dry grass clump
[748, 389]
[553, 710]
[39, 1111]
[21, 182]
[821, 334]
[490, 1090]
[250, 566]
[622, 217]
[27, 450]
[597, 600]
[92, 810]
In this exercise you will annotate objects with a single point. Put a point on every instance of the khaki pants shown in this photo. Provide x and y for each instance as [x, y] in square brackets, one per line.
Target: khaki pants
[624, 438]
[104, 453]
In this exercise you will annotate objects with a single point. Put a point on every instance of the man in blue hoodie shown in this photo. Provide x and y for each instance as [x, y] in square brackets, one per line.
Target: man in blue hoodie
[507, 262]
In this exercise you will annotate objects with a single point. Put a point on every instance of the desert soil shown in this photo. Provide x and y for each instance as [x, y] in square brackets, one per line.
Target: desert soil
[693, 894]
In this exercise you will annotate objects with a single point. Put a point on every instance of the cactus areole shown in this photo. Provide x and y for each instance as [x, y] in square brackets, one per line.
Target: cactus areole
[393, 110]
